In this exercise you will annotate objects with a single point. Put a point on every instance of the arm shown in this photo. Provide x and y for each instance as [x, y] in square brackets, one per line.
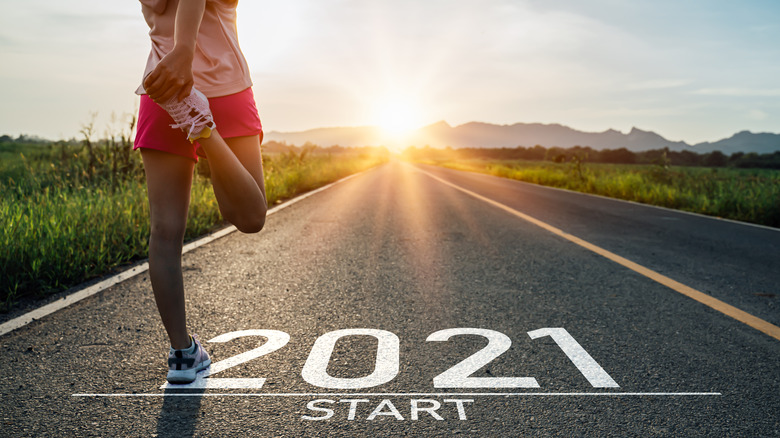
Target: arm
[172, 77]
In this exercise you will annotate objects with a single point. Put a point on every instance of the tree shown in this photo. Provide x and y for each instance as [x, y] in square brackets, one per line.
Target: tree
[715, 159]
[617, 156]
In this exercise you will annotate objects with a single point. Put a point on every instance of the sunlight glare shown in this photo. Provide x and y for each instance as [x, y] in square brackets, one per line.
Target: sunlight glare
[397, 117]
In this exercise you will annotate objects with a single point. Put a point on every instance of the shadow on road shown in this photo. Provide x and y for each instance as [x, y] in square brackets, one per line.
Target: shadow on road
[179, 414]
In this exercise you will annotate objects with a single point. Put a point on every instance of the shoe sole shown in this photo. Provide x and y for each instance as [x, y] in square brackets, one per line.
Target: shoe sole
[187, 376]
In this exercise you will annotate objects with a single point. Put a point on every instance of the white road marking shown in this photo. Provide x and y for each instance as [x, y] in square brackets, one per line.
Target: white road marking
[708, 300]
[584, 362]
[221, 383]
[419, 394]
[386, 365]
[203, 380]
[458, 376]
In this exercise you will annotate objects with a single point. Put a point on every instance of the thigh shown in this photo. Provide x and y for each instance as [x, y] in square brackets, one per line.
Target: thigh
[168, 181]
[247, 150]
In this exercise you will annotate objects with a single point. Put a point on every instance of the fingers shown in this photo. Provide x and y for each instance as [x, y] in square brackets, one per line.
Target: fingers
[162, 85]
[154, 84]
[185, 91]
[167, 94]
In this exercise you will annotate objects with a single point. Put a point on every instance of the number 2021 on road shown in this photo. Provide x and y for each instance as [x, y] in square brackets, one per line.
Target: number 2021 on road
[387, 361]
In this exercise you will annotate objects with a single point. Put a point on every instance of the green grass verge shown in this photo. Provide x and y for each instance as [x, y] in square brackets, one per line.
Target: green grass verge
[69, 215]
[750, 195]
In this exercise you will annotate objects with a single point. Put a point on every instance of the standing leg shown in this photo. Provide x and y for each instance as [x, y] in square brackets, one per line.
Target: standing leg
[169, 180]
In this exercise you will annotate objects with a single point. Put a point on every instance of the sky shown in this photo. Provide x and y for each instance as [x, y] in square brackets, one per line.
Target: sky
[691, 70]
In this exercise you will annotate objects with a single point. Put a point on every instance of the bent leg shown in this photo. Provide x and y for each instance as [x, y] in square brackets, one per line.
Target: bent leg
[247, 150]
[168, 180]
[237, 177]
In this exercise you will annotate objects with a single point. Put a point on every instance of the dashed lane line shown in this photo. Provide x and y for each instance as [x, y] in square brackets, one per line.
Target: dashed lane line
[714, 303]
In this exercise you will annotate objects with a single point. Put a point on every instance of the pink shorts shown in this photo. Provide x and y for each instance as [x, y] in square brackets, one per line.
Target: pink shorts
[235, 116]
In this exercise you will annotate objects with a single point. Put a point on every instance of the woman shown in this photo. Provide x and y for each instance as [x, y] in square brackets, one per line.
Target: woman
[195, 55]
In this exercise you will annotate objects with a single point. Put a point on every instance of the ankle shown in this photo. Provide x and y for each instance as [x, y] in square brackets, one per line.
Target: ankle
[185, 344]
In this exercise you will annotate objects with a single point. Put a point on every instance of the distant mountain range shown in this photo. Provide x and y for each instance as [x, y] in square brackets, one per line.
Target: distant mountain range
[486, 135]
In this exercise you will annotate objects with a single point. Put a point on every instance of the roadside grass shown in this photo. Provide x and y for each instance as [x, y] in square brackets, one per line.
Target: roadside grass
[749, 195]
[70, 213]
[289, 174]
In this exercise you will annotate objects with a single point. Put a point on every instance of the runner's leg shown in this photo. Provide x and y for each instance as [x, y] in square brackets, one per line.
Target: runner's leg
[169, 180]
[247, 150]
[237, 178]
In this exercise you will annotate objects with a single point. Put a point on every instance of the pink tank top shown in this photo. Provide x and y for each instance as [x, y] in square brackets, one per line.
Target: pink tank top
[219, 67]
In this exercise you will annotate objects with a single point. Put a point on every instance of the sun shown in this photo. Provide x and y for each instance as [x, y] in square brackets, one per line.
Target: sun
[397, 117]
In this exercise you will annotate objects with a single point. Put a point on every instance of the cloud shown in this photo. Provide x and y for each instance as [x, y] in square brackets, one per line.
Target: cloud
[757, 115]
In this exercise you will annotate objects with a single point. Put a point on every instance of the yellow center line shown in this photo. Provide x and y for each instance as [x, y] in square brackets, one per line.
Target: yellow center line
[714, 303]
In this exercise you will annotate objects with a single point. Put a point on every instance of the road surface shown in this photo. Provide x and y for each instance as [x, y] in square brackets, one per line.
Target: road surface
[417, 301]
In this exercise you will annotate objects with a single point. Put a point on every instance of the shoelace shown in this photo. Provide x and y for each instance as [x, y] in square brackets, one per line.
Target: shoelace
[190, 115]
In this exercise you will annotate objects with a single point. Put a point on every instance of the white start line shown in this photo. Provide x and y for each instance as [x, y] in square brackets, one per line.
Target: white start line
[353, 406]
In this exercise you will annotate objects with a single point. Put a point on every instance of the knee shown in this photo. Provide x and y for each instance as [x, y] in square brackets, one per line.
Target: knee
[166, 233]
[252, 225]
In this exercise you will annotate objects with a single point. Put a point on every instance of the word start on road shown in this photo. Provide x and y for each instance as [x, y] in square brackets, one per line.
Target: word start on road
[385, 408]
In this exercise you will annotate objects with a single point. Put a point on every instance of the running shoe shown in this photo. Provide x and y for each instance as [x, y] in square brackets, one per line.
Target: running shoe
[183, 365]
[192, 115]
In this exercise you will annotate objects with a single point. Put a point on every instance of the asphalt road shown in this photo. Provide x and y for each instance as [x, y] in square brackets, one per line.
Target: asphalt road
[362, 275]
